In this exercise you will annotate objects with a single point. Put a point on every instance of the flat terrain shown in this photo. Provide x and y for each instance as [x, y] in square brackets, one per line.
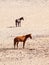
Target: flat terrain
[36, 22]
[36, 52]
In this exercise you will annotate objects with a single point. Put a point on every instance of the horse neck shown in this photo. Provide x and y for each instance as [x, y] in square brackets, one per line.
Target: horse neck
[20, 19]
[27, 36]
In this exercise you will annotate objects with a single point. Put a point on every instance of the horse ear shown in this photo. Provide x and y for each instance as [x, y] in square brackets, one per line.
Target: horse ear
[29, 34]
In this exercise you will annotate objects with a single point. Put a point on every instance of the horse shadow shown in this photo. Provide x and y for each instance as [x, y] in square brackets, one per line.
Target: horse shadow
[5, 49]
[11, 27]
[1, 49]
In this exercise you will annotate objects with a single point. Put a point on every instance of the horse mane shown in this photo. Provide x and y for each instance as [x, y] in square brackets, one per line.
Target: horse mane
[27, 35]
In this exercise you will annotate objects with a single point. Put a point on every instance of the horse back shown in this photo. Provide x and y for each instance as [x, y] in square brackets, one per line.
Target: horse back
[20, 38]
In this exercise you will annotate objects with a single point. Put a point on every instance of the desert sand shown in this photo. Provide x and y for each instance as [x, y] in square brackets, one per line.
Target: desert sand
[36, 22]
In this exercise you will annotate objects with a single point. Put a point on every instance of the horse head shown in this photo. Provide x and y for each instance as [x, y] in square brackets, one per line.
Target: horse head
[30, 36]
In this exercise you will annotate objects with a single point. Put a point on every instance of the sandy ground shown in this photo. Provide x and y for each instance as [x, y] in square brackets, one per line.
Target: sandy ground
[36, 52]
[36, 22]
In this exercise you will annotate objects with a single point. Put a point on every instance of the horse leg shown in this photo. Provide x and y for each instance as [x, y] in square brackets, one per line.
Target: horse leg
[23, 44]
[18, 24]
[14, 44]
[17, 44]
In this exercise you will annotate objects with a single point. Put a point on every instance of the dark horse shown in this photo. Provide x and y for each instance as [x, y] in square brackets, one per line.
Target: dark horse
[18, 21]
[21, 39]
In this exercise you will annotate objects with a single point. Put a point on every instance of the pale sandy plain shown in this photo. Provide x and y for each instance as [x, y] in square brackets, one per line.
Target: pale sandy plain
[36, 22]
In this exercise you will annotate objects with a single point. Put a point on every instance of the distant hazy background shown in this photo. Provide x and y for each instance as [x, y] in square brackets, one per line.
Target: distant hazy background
[35, 13]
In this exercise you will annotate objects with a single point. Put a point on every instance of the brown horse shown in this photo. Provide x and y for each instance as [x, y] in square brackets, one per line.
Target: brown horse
[21, 39]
